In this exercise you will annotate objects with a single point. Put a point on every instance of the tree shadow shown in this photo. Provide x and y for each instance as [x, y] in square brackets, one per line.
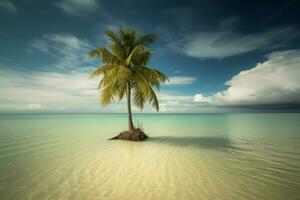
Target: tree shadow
[221, 143]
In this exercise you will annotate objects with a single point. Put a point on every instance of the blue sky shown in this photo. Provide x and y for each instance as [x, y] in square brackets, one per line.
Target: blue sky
[221, 56]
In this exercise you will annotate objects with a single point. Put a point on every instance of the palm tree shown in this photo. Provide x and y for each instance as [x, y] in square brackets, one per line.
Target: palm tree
[124, 70]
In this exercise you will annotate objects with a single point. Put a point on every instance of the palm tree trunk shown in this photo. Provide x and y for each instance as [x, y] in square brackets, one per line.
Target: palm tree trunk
[130, 124]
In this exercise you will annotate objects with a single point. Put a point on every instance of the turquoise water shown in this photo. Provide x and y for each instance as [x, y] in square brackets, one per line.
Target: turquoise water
[189, 156]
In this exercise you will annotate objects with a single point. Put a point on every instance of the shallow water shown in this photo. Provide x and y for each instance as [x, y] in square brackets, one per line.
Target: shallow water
[190, 156]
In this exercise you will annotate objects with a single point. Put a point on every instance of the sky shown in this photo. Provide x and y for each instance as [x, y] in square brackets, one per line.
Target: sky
[220, 56]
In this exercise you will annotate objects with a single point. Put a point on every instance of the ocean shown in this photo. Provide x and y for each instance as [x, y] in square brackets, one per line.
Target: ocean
[188, 156]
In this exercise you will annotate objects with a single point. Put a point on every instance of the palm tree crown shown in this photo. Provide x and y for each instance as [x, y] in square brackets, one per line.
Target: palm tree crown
[124, 69]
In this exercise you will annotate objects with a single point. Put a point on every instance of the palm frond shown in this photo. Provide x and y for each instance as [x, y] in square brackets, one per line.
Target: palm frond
[114, 84]
[101, 70]
[125, 63]
[116, 43]
[146, 39]
[128, 34]
[141, 58]
[106, 56]
[134, 50]
[107, 95]
[116, 76]
[154, 77]
[114, 37]
[143, 92]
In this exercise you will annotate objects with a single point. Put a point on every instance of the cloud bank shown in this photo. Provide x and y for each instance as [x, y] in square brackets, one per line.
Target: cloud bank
[54, 91]
[33, 90]
[181, 80]
[70, 51]
[62, 86]
[222, 43]
[275, 81]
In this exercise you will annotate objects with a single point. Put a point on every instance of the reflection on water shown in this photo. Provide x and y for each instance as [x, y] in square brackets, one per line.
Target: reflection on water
[236, 156]
[221, 143]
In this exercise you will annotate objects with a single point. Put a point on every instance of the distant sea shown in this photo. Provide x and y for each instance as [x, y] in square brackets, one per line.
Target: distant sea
[189, 156]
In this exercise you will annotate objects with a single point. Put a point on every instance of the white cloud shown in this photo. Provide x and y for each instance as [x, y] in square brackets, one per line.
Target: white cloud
[181, 80]
[173, 96]
[37, 90]
[42, 91]
[34, 106]
[275, 81]
[40, 45]
[8, 5]
[70, 51]
[78, 7]
[59, 42]
[32, 91]
[201, 98]
[222, 43]
[171, 101]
